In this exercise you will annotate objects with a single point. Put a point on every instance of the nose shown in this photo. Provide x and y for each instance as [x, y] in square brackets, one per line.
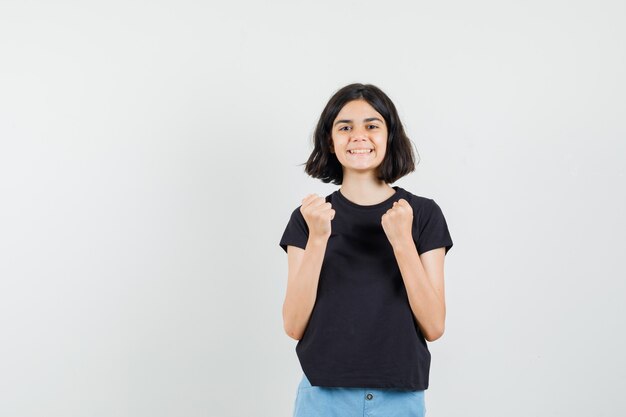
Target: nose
[358, 133]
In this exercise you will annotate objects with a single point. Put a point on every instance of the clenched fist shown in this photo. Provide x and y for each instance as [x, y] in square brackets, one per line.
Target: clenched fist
[317, 213]
[398, 221]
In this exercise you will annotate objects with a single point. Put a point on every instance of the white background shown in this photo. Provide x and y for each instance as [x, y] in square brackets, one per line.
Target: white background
[149, 161]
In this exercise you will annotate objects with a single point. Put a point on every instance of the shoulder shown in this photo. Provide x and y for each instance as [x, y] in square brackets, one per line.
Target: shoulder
[425, 210]
[418, 202]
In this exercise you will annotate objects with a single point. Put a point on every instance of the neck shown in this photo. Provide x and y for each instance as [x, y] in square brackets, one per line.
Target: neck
[365, 191]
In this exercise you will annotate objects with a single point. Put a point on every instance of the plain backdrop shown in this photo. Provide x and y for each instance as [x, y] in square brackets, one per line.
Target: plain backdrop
[150, 158]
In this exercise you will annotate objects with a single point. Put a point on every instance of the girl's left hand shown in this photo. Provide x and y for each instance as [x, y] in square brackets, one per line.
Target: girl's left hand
[398, 221]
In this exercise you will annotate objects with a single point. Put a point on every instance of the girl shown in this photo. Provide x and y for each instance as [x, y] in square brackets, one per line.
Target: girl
[365, 287]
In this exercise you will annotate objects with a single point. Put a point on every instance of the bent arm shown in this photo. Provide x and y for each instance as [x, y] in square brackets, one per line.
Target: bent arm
[304, 266]
[423, 277]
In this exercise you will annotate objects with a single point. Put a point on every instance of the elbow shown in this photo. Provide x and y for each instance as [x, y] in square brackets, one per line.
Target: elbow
[290, 329]
[434, 335]
[293, 335]
[291, 332]
[292, 325]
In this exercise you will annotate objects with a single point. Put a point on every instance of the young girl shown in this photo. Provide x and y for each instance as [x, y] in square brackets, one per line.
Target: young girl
[365, 287]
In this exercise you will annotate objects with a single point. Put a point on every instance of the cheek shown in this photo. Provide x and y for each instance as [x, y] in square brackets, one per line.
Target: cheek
[383, 149]
[381, 155]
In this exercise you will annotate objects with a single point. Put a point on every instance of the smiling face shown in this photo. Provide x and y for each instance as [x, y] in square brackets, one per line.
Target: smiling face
[359, 137]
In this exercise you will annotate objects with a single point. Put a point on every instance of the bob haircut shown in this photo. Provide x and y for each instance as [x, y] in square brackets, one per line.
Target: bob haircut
[399, 159]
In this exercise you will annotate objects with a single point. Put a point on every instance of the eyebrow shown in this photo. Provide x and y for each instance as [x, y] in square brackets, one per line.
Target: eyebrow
[369, 119]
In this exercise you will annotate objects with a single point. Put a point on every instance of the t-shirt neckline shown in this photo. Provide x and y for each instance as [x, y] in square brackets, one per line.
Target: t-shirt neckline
[371, 206]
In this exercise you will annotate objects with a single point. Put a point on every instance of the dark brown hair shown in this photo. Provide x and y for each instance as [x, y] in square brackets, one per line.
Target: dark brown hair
[399, 159]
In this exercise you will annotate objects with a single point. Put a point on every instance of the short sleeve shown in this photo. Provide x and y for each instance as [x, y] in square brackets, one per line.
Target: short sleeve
[297, 231]
[432, 230]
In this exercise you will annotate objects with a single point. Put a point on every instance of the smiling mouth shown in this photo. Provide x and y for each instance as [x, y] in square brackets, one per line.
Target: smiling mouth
[360, 151]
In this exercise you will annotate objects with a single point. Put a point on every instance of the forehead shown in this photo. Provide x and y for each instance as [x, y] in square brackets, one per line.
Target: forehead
[357, 109]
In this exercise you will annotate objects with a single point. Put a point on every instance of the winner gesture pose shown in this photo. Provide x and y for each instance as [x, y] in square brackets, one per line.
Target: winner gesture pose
[365, 284]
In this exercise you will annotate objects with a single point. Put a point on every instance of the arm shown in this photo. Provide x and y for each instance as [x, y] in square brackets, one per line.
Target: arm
[424, 281]
[304, 266]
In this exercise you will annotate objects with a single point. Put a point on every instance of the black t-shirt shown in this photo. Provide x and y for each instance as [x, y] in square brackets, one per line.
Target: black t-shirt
[362, 332]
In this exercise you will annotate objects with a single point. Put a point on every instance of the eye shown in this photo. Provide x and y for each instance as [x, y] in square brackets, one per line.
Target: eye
[372, 126]
[344, 128]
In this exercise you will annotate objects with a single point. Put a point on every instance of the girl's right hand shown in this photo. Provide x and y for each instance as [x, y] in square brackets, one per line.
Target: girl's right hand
[317, 213]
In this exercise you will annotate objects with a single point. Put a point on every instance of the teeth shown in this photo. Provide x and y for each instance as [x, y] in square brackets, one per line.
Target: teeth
[360, 151]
